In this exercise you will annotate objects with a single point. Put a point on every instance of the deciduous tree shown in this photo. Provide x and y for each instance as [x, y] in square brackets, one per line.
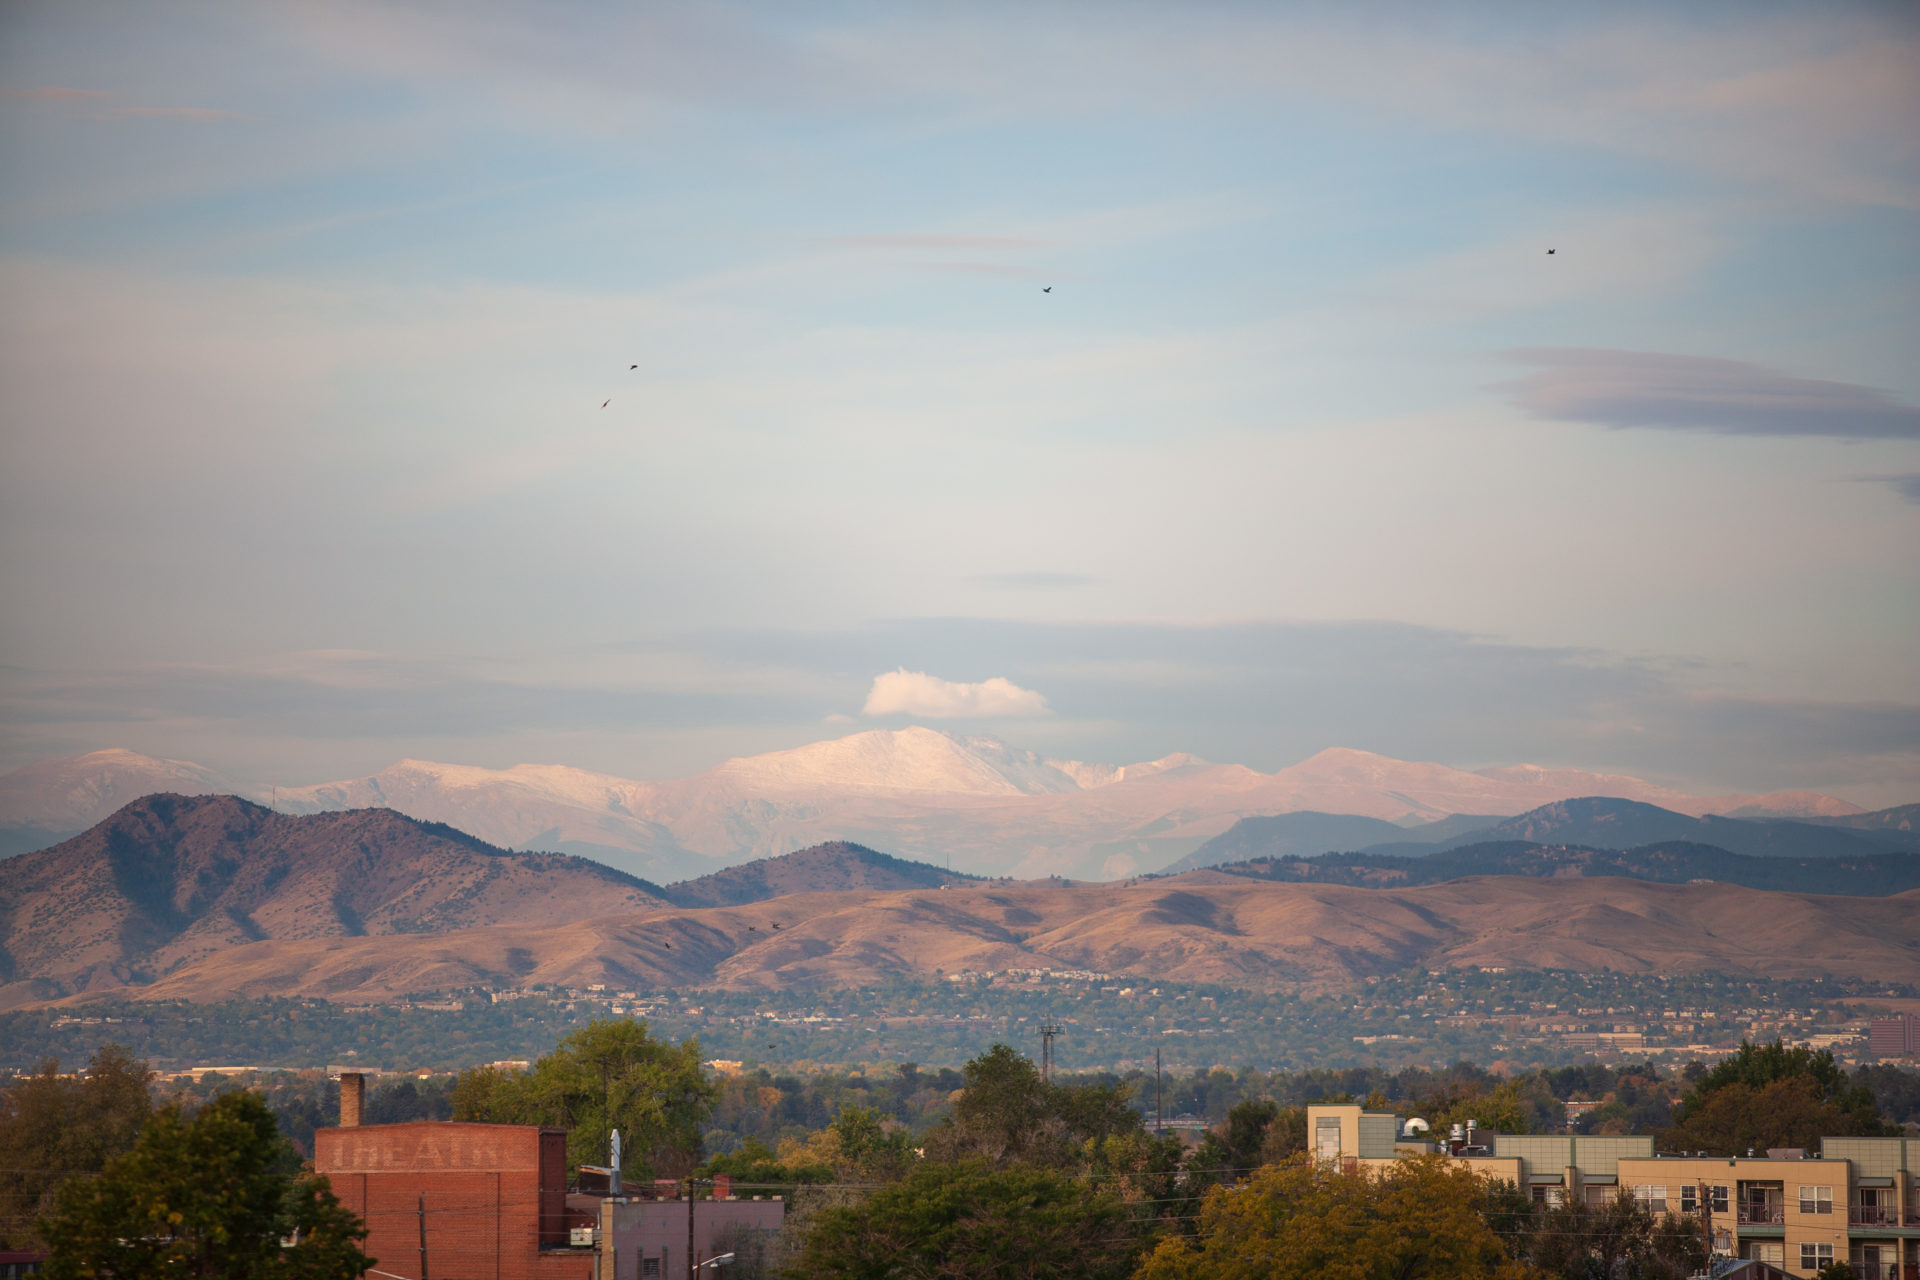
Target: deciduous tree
[607, 1075]
[55, 1127]
[972, 1221]
[1418, 1219]
[218, 1196]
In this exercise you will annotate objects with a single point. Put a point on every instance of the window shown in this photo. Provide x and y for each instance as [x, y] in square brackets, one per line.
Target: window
[1816, 1199]
[1720, 1199]
[1689, 1198]
[1653, 1199]
[649, 1266]
[1815, 1256]
[1768, 1251]
[1326, 1138]
[1554, 1196]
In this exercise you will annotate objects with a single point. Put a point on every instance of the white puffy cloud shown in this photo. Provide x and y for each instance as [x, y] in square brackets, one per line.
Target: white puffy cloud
[915, 693]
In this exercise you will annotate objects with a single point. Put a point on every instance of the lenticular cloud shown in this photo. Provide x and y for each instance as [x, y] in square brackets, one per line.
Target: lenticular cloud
[915, 693]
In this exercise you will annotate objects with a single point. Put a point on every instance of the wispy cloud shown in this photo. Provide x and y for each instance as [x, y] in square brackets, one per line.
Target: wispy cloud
[1698, 393]
[915, 693]
[54, 93]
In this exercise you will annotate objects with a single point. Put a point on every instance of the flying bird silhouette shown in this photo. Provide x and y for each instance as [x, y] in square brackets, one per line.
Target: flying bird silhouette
[1048, 289]
[776, 926]
[605, 403]
[1549, 252]
[632, 367]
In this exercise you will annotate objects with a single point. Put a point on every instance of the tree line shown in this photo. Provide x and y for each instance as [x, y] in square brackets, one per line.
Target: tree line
[989, 1171]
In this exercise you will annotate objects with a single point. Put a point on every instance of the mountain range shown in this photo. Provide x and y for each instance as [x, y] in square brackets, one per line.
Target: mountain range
[1875, 875]
[1593, 822]
[989, 808]
[213, 897]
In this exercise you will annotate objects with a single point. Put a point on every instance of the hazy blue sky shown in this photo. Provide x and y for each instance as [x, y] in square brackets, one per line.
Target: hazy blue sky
[309, 311]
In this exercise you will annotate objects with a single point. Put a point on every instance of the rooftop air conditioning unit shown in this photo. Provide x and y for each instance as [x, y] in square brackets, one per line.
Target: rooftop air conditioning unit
[583, 1237]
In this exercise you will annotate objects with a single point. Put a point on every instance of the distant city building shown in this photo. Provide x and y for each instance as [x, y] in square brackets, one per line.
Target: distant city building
[1895, 1037]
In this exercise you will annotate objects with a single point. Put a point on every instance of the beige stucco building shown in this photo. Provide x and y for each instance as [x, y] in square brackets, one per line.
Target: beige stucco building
[1853, 1200]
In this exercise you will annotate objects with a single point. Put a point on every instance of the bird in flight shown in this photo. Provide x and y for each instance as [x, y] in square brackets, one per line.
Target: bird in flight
[605, 403]
[1048, 289]
[632, 367]
[1549, 252]
[776, 926]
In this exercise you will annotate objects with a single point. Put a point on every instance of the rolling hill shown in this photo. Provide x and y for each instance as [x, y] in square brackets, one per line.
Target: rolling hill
[836, 865]
[170, 880]
[1203, 927]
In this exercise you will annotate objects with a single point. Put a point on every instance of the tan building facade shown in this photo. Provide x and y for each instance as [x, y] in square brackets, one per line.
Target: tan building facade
[1856, 1200]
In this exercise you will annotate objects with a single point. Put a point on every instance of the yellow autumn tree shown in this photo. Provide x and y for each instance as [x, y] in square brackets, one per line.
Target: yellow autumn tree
[1420, 1219]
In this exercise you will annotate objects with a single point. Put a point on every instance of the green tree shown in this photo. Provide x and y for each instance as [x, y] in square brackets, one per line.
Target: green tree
[1738, 1118]
[607, 1075]
[1235, 1149]
[971, 1221]
[1418, 1219]
[211, 1196]
[54, 1128]
[1005, 1113]
[1622, 1240]
[1755, 1068]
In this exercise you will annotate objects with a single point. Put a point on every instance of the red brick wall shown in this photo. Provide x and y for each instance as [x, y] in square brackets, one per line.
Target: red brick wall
[493, 1195]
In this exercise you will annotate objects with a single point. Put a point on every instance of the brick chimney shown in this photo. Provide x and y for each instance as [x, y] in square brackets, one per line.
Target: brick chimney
[353, 1099]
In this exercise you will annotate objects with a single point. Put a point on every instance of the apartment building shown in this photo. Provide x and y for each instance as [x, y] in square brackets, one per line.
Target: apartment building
[1895, 1037]
[1855, 1200]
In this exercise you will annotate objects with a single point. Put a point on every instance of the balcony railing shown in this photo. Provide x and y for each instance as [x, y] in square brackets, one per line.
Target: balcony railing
[1871, 1215]
[1762, 1215]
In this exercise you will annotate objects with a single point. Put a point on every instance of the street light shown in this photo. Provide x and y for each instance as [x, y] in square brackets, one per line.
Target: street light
[718, 1260]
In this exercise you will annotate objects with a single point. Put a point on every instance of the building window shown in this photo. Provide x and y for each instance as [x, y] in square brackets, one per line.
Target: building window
[650, 1266]
[1689, 1198]
[1326, 1138]
[1815, 1256]
[1720, 1197]
[1551, 1196]
[1772, 1251]
[1652, 1199]
[1816, 1199]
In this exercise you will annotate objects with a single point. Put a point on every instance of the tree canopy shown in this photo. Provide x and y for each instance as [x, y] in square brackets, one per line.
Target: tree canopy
[969, 1220]
[607, 1075]
[1419, 1219]
[214, 1195]
[56, 1127]
[1772, 1095]
[1005, 1113]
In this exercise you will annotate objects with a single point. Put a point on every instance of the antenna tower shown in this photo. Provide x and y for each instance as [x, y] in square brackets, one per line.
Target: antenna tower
[1048, 1030]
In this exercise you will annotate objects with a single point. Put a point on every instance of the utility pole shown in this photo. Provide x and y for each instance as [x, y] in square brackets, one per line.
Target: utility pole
[1159, 1111]
[1048, 1030]
[691, 1269]
[423, 1235]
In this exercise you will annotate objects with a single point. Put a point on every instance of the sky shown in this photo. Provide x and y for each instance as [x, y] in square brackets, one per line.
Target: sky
[634, 386]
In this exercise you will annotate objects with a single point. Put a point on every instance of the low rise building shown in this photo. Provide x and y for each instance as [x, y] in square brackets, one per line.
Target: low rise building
[1854, 1201]
[450, 1199]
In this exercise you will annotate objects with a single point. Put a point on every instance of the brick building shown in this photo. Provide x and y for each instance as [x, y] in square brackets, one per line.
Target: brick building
[1895, 1037]
[459, 1201]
